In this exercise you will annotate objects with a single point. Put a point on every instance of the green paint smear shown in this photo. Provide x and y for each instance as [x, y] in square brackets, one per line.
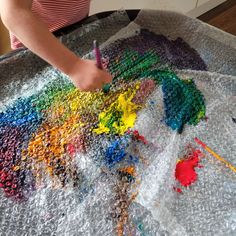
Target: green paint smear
[133, 66]
[56, 89]
[183, 102]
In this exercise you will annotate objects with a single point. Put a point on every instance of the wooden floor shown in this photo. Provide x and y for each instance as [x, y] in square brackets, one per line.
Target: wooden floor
[222, 17]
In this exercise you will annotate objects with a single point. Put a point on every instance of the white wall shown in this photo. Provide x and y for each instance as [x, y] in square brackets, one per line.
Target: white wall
[192, 8]
[200, 2]
[204, 6]
[175, 5]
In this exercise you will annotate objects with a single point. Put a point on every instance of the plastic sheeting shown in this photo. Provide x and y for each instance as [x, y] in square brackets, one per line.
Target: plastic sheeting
[106, 198]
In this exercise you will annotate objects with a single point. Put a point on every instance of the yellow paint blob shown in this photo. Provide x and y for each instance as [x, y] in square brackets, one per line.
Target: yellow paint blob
[73, 103]
[120, 115]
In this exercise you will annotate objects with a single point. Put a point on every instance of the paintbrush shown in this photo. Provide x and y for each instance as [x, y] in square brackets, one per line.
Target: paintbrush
[97, 53]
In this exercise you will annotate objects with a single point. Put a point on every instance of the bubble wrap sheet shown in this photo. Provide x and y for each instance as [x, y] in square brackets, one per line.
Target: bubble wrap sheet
[99, 163]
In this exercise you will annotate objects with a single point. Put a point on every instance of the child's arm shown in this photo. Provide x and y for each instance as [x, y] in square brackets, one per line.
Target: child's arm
[19, 19]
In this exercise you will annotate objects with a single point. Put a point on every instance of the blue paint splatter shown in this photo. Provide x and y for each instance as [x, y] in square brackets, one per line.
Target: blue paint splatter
[23, 113]
[116, 151]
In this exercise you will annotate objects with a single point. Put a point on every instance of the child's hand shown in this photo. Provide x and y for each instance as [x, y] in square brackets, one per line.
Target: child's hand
[34, 34]
[87, 77]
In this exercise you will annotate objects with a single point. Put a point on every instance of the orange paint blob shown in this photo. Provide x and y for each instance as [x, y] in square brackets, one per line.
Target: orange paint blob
[47, 150]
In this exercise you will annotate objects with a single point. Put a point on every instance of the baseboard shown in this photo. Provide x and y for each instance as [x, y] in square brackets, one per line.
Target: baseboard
[204, 8]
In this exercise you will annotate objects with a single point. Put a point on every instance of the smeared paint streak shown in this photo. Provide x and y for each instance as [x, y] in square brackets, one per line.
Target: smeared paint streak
[120, 116]
[131, 65]
[120, 214]
[116, 152]
[146, 88]
[214, 154]
[77, 145]
[184, 103]
[174, 52]
[185, 169]
[178, 190]
[71, 102]
[138, 137]
[132, 160]
[12, 170]
[49, 145]
[128, 170]
[18, 114]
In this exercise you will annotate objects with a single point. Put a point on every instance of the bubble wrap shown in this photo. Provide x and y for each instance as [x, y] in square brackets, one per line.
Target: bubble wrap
[99, 163]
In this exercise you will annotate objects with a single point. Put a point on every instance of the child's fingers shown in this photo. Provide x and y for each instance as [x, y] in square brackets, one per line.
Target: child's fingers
[94, 87]
[107, 78]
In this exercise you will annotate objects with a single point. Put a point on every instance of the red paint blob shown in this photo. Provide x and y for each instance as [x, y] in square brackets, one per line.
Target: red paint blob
[71, 149]
[185, 169]
[137, 136]
[178, 190]
[76, 145]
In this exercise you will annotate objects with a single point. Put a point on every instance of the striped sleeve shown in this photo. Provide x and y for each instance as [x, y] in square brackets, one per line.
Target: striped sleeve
[57, 14]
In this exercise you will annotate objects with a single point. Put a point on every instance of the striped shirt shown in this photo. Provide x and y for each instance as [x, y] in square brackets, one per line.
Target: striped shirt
[56, 14]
